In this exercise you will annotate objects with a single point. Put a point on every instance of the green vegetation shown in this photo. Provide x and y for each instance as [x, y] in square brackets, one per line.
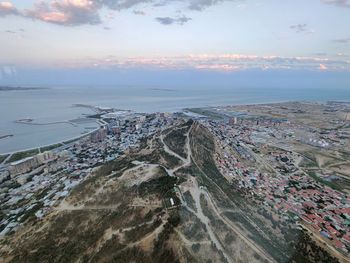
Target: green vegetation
[325, 182]
[95, 116]
[275, 249]
[176, 138]
[206, 112]
[160, 251]
[115, 168]
[81, 237]
[141, 230]
[196, 247]
[162, 186]
[229, 238]
[160, 156]
[203, 147]
[107, 207]
[50, 147]
[176, 141]
[72, 140]
[21, 155]
[3, 157]
[224, 193]
[308, 162]
[169, 160]
[195, 231]
[43, 193]
[189, 200]
[71, 234]
[132, 254]
[345, 154]
[306, 250]
[110, 248]
[28, 215]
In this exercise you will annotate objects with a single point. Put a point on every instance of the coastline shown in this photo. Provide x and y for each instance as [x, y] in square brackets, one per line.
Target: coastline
[186, 109]
[65, 142]
[31, 122]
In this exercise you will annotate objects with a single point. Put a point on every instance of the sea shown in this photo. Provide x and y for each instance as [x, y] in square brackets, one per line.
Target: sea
[55, 105]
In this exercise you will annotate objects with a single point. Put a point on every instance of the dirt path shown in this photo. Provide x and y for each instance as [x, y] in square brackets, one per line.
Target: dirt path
[188, 242]
[185, 161]
[151, 236]
[195, 192]
[168, 150]
[235, 229]
[64, 206]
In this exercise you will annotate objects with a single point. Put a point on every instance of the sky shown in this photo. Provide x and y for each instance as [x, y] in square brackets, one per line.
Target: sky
[110, 38]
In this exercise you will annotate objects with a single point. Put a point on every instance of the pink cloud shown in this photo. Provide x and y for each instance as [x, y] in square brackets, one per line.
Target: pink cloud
[323, 67]
[67, 12]
[7, 8]
[217, 67]
[223, 62]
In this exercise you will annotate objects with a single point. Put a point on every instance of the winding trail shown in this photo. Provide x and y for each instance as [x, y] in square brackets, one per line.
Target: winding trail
[185, 161]
[238, 231]
[195, 192]
[234, 228]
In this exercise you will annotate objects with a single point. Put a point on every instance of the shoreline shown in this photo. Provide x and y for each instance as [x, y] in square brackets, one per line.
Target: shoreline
[6, 136]
[51, 144]
[186, 109]
[29, 121]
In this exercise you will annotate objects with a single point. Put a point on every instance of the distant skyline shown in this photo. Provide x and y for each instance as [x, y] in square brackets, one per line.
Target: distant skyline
[195, 35]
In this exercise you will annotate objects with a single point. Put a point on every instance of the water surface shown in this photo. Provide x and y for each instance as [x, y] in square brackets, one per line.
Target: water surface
[56, 104]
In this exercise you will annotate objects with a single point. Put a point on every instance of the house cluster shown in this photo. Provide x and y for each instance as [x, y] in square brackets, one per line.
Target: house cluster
[295, 196]
[33, 186]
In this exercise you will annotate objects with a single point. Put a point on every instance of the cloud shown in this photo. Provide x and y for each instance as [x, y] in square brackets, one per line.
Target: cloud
[123, 4]
[224, 62]
[339, 3]
[169, 20]
[342, 40]
[82, 12]
[199, 5]
[7, 8]
[139, 12]
[165, 20]
[301, 28]
[323, 67]
[67, 12]
[77, 12]
[189, 4]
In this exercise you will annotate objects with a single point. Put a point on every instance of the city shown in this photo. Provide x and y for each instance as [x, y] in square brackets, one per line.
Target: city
[31, 186]
[286, 191]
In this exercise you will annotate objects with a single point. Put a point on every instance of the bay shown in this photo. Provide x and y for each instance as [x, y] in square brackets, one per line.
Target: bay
[56, 104]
